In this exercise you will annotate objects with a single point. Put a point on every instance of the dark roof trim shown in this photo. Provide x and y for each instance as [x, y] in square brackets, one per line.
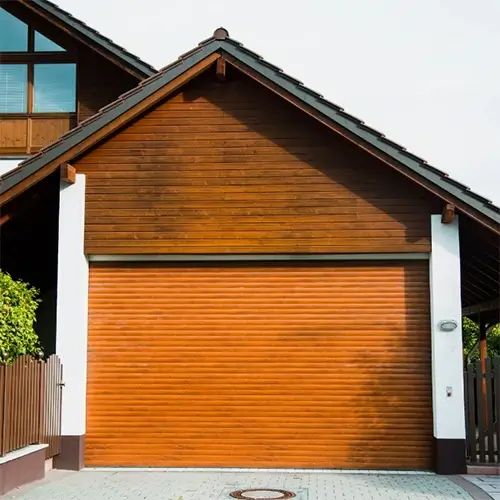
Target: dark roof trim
[220, 42]
[94, 36]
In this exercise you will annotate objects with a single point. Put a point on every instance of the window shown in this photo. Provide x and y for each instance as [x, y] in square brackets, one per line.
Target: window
[14, 33]
[37, 75]
[43, 44]
[13, 88]
[54, 88]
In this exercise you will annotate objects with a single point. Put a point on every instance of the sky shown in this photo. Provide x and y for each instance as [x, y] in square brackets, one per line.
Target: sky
[426, 73]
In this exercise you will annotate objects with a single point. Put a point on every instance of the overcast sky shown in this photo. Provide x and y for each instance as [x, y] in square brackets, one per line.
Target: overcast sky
[424, 72]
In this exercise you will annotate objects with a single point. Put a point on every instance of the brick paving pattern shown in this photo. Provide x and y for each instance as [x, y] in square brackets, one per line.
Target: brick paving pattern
[145, 485]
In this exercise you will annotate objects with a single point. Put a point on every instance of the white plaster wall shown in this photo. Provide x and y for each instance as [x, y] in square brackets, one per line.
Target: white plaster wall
[7, 165]
[72, 306]
[447, 363]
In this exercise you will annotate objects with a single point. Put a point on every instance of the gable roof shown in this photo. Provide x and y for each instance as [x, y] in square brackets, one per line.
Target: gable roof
[78, 27]
[325, 110]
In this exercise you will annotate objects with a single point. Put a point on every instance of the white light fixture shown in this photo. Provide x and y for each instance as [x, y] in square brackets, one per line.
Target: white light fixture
[448, 325]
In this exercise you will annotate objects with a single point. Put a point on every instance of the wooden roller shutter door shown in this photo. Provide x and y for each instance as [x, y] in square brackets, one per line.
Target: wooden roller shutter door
[283, 365]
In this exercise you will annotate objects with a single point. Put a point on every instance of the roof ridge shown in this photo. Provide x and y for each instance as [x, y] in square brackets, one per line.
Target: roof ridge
[221, 41]
[361, 124]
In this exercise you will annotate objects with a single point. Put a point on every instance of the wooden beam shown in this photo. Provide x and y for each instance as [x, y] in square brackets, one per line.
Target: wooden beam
[448, 214]
[6, 218]
[490, 305]
[22, 208]
[220, 69]
[68, 173]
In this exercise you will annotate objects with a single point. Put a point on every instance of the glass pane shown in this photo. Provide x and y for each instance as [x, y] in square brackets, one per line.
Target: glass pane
[14, 33]
[43, 44]
[55, 88]
[13, 88]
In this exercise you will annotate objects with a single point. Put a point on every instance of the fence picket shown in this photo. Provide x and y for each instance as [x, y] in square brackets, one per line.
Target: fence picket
[471, 414]
[480, 412]
[496, 406]
[490, 424]
[2, 409]
[30, 404]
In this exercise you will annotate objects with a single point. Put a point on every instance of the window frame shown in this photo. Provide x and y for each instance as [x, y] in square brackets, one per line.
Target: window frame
[31, 58]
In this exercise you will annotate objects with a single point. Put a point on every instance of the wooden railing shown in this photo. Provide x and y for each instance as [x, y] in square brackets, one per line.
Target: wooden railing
[30, 404]
[482, 411]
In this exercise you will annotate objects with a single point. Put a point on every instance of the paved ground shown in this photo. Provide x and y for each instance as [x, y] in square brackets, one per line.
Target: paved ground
[143, 485]
[489, 484]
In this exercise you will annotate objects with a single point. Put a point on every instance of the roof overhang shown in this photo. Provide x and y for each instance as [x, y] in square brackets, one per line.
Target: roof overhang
[138, 100]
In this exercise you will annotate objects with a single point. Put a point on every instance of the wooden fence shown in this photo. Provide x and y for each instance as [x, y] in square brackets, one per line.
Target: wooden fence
[482, 411]
[30, 404]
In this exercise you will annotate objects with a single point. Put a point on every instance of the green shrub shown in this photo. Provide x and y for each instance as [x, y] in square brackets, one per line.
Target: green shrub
[471, 340]
[18, 304]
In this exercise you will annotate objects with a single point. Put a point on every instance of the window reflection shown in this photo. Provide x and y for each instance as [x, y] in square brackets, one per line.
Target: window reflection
[14, 33]
[43, 44]
[54, 88]
[13, 88]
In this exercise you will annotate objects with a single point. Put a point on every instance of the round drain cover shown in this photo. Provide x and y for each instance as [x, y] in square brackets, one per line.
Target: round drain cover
[264, 494]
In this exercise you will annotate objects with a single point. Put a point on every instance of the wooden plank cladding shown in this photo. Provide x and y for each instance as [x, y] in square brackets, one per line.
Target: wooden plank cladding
[48, 130]
[13, 135]
[100, 82]
[229, 167]
[289, 365]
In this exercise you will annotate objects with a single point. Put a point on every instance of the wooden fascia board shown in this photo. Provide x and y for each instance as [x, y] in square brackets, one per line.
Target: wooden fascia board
[82, 39]
[299, 103]
[110, 127]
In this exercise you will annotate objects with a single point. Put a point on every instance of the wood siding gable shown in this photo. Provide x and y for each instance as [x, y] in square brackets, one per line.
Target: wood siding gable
[228, 167]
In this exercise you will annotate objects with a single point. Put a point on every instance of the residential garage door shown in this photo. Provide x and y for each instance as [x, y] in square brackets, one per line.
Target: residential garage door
[284, 365]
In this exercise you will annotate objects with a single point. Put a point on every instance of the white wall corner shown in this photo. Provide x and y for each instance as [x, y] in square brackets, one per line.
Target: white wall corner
[72, 305]
[447, 357]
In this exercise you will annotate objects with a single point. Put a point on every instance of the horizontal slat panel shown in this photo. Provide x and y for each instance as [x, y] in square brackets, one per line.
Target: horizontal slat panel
[318, 365]
[215, 151]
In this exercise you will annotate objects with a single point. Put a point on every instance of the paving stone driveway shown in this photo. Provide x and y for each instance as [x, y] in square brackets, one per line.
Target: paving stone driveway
[144, 485]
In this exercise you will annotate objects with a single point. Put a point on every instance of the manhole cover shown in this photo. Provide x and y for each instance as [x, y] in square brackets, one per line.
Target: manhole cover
[262, 494]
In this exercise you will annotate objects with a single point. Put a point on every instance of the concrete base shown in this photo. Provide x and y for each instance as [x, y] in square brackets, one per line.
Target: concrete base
[484, 470]
[450, 456]
[22, 467]
[72, 456]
